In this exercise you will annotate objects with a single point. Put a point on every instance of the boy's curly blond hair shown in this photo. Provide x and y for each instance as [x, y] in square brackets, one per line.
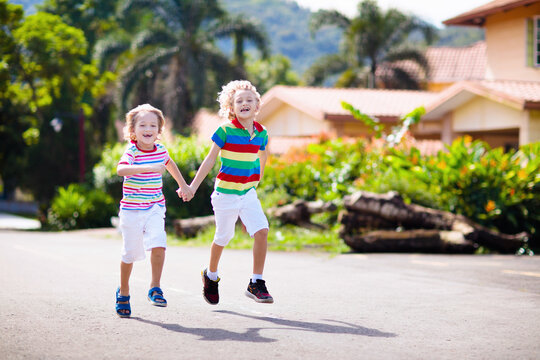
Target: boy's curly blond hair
[133, 114]
[226, 97]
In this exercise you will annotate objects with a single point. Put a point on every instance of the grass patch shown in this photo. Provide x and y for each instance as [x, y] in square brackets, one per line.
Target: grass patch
[280, 238]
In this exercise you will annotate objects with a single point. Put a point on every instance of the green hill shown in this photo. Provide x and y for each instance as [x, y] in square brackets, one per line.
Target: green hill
[287, 25]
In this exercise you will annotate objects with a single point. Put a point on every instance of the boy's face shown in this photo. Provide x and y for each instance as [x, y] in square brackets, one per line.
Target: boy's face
[146, 130]
[245, 105]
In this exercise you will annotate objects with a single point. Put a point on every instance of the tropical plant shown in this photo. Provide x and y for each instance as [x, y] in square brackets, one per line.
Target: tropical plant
[175, 55]
[378, 129]
[94, 17]
[266, 73]
[46, 78]
[77, 207]
[376, 39]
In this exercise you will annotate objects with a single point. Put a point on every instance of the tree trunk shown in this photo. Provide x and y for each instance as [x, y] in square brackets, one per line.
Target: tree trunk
[190, 227]
[427, 241]
[299, 212]
[391, 209]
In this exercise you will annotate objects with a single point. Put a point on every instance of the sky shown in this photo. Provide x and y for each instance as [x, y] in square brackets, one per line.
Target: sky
[433, 11]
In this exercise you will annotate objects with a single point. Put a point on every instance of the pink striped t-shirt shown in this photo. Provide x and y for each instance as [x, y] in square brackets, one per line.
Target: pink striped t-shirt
[144, 190]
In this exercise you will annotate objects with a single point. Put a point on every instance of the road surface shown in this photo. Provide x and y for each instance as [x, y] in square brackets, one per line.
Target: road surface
[57, 302]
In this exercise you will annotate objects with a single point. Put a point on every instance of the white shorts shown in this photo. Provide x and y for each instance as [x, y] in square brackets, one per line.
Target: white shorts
[227, 209]
[142, 230]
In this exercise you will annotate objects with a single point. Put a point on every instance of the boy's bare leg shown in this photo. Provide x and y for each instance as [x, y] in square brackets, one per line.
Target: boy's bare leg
[260, 246]
[157, 259]
[215, 255]
[125, 273]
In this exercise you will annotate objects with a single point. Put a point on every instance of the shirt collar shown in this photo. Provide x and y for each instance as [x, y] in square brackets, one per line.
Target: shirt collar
[256, 125]
[147, 151]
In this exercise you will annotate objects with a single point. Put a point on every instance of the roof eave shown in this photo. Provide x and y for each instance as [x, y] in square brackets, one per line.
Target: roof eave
[478, 18]
[531, 105]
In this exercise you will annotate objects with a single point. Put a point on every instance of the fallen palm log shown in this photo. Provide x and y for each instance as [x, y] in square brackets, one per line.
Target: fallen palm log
[390, 208]
[299, 212]
[190, 227]
[426, 241]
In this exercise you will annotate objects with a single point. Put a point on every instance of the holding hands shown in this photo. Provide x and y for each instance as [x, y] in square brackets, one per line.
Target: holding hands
[186, 193]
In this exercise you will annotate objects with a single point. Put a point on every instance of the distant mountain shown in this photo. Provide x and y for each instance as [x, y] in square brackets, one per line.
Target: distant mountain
[459, 36]
[287, 25]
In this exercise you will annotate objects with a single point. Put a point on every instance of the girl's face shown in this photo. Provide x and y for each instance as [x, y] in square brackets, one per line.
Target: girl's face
[245, 105]
[146, 130]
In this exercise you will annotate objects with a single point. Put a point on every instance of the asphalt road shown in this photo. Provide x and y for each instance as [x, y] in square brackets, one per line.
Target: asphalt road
[57, 302]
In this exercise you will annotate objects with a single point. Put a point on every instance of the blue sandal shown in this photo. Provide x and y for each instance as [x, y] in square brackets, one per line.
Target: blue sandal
[120, 308]
[159, 296]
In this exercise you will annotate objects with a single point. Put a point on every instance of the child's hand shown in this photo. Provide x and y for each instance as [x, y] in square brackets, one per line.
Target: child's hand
[185, 193]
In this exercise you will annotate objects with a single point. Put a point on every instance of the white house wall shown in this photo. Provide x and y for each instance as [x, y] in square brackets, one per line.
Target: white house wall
[481, 114]
[288, 121]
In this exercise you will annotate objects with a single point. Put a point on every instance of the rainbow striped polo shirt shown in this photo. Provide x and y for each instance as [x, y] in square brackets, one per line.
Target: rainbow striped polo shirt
[144, 190]
[240, 165]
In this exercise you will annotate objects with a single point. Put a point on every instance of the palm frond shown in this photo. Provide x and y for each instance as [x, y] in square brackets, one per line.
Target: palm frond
[108, 48]
[194, 13]
[328, 17]
[325, 67]
[137, 71]
[153, 36]
[166, 10]
[400, 79]
[241, 28]
[412, 54]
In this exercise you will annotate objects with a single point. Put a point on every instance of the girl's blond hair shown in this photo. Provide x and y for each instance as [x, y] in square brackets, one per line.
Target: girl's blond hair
[226, 97]
[133, 115]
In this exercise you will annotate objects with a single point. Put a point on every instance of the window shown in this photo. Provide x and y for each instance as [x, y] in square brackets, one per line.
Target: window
[537, 41]
[533, 42]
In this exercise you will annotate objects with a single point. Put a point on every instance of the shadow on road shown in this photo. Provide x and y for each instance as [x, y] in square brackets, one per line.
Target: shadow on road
[252, 334]
[209, 334]
[317, 327]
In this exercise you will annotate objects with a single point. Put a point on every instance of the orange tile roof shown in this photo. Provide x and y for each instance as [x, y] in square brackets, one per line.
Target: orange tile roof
[476, 16]
[323, 103]
[447, 64]
[519, 94]
[520, 91]
[451, 64]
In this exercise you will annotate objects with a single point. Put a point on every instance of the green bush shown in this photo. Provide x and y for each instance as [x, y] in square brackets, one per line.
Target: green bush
[325, 170]
[77, 207]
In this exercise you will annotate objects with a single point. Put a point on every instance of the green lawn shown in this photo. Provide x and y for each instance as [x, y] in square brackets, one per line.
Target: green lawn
[282, 238]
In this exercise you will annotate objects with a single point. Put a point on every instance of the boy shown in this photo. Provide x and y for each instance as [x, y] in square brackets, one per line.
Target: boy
[242, 143]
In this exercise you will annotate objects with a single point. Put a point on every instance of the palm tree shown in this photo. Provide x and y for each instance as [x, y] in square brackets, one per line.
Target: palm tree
[174, 61]
[375, 38]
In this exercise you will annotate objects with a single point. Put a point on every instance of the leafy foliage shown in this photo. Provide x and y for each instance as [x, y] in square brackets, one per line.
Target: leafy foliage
[325, 170]
[172, 60]
[77, 207]
[266, 73]
[46, 77]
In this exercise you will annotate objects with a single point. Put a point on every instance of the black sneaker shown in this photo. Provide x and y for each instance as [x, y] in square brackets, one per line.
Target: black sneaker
[258, 292]
[210, 289]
